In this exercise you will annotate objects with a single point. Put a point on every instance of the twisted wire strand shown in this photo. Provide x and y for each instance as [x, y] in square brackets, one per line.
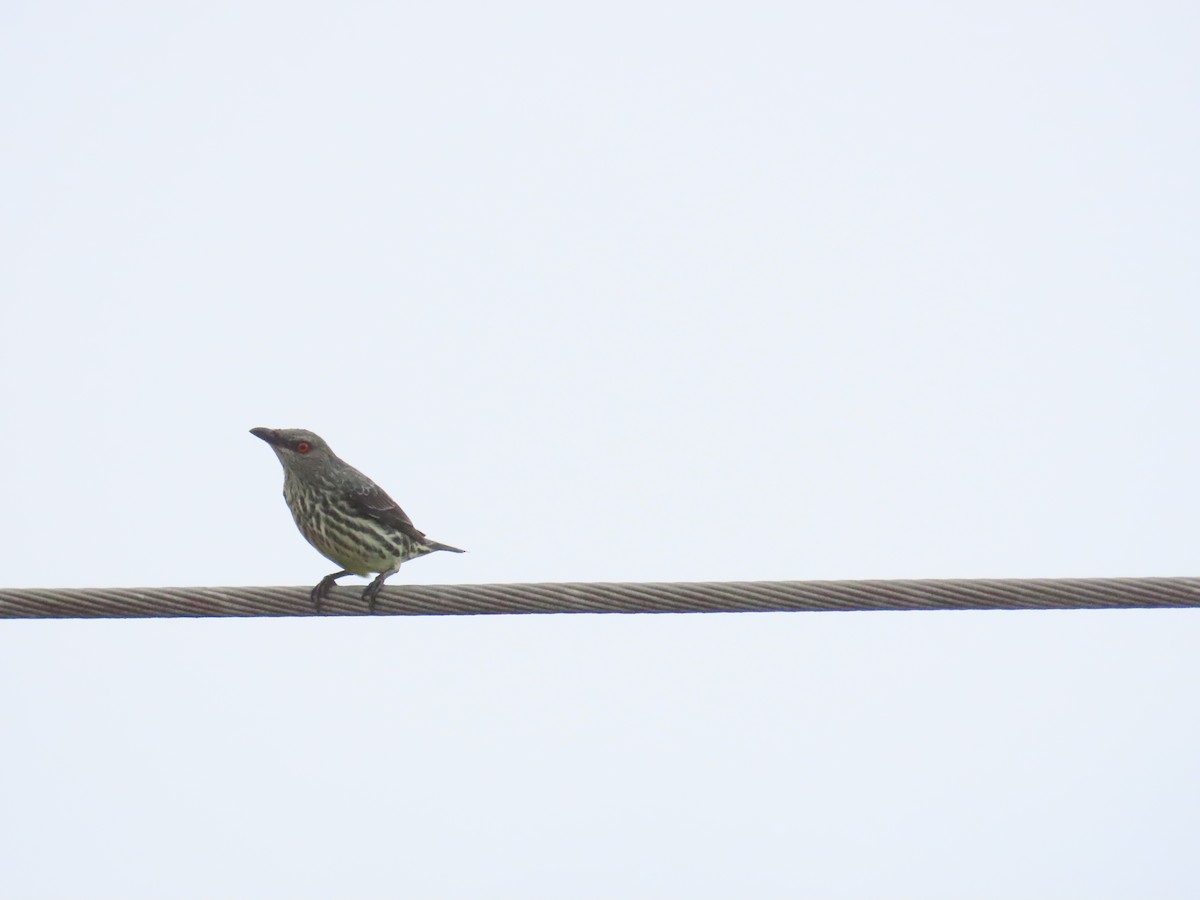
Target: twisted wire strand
[607, 597]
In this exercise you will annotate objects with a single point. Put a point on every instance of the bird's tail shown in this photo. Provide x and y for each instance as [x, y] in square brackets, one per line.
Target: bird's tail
[434, 545]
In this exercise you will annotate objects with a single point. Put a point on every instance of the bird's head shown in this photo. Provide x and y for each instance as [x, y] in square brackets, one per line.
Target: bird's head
[295, 447]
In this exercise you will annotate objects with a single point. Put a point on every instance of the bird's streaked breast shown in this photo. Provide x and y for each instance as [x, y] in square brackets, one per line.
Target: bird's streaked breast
[356, 543]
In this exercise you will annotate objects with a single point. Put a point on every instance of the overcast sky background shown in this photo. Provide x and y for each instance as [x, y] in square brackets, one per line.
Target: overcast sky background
[621, 291]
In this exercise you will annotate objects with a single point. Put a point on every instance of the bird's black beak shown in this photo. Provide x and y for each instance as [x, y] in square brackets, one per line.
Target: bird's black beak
[270, 435]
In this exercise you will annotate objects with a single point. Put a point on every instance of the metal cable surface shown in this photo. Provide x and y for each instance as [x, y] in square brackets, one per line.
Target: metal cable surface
[606, 597]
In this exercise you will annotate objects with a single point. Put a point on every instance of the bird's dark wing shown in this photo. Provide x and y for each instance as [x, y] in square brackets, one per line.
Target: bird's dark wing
[370, 500]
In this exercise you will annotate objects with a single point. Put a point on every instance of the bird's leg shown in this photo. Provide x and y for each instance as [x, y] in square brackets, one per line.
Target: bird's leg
[321, 591]
[373, 589]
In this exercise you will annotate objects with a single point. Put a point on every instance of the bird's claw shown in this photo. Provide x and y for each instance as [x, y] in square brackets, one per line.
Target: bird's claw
[321, 591]
[372, 590]
[369, 594]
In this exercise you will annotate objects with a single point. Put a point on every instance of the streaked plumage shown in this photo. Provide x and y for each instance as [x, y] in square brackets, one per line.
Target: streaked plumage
[343, 513]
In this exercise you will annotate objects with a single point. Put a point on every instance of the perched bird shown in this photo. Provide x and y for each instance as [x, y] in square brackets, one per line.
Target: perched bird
[343, 513]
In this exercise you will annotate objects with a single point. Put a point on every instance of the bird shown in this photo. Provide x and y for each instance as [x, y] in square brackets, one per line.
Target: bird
[344, 514]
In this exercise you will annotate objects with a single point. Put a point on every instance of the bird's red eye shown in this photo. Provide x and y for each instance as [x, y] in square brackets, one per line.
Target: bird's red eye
[303, 447]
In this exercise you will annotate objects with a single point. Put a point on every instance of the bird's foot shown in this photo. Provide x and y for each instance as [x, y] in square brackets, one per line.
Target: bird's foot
[372, 590]
[321, 591]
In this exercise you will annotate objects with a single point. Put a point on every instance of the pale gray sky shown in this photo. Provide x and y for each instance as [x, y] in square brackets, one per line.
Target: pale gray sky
[614, 292]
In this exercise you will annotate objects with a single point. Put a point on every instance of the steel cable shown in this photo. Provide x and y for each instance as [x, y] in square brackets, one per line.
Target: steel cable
[607, 597]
